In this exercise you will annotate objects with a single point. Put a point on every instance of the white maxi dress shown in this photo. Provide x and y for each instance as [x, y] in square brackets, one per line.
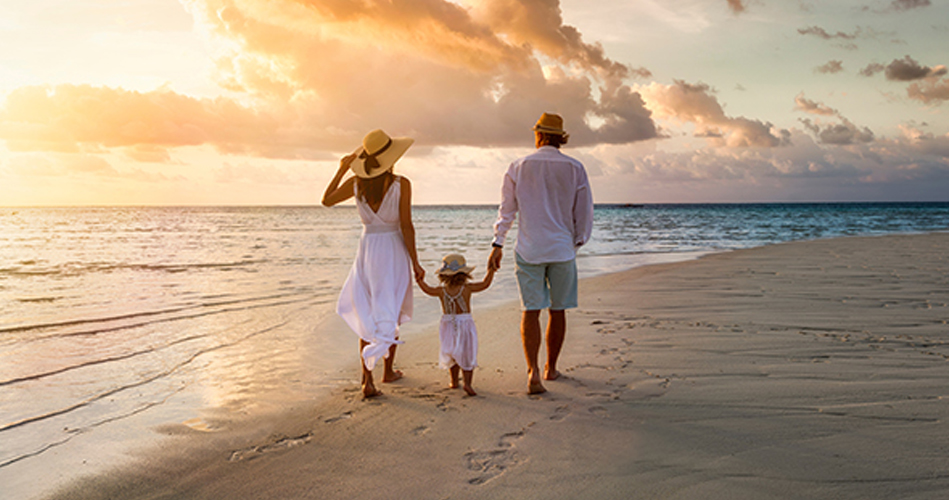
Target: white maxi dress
[377, 295]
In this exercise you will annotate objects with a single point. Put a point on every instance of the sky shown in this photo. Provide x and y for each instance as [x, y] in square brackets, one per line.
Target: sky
[253, 102]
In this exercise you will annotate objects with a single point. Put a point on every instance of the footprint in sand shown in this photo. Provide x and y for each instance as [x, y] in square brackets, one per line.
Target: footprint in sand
[281, 444]
[342, 416]
[599, 411]
[490, 464]
[560, 413]
[418, 431]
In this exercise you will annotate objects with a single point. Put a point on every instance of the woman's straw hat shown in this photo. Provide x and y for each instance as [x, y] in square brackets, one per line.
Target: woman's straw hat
[454, 264]
[378, 154]
[550, 123]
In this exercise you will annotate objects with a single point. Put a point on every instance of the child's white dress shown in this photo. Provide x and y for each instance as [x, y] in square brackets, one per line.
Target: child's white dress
[457, 334]
[377, 295]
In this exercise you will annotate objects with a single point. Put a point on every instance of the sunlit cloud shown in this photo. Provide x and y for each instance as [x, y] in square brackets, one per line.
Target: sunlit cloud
[495, 65]
[696, 104]
[313, 74]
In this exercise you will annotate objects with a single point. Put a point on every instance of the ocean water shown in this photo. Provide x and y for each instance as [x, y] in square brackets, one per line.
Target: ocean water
[115, 322]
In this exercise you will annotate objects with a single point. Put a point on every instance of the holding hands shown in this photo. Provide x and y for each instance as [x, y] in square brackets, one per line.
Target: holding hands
[494, 260]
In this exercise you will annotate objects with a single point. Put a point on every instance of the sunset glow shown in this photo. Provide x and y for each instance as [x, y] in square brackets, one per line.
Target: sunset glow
[249, 102]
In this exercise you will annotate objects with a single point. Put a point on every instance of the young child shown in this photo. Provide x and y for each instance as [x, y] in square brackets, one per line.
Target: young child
[457, 333]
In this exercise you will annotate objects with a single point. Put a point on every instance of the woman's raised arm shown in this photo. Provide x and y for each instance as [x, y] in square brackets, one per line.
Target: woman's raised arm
[335, 193]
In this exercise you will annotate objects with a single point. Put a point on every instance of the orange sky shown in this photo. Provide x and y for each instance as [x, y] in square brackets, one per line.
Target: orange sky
[253, 101]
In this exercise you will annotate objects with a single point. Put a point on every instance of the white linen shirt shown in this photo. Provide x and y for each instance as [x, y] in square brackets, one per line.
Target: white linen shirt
[550, 193]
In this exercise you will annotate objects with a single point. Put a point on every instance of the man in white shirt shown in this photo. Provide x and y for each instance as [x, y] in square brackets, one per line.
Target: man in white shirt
[550, 194]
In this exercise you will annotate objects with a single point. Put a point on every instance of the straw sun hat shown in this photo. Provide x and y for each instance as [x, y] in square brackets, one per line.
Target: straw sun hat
[378, 154]
[453, 264]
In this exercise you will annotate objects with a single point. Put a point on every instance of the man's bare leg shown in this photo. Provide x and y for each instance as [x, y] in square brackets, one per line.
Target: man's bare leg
[391, 375]
[530, 336]
[556, 332]
[368, 387]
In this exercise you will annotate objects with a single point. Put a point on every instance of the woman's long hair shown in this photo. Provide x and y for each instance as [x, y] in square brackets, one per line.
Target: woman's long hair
[374, 189]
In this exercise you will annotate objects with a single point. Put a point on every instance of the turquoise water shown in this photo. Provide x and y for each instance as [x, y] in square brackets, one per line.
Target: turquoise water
[116, 321]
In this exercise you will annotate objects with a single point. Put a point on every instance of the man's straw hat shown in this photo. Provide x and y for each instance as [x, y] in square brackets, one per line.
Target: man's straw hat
[378, 154]
[550, 123]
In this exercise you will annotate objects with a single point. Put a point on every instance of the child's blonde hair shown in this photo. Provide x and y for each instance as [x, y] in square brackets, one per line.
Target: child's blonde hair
[456, 279]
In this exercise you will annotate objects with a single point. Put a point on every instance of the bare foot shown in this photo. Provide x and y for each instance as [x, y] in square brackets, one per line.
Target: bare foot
[551, 374]
[370, 391]
[470, 391]
[453, 384]
[536, 388]
[392, 376]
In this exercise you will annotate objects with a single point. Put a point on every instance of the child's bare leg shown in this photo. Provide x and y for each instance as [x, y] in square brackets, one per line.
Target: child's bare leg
[468, 375]
[368, 387]
[454, 376]
[390, 374]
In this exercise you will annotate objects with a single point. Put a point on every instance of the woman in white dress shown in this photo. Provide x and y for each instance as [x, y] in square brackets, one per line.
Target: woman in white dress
[377, 295]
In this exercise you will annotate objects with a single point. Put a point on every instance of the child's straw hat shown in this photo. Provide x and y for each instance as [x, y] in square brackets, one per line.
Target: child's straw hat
[454, 264]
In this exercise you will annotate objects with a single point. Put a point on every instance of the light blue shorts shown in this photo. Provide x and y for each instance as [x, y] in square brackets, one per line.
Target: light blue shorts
[552, 285]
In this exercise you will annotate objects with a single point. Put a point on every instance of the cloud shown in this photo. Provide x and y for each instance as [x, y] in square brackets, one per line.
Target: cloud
[841, 133]
[909, 4]
[447, 74]
[694, 103]
[73, 118]
[845, 40]
[831, 67]
[822, 33]
[872, 69]
[907, 69]
[736, 6]
[806, 105]
[926, 87]
[311, 76]
[931, 91]
[907, 167]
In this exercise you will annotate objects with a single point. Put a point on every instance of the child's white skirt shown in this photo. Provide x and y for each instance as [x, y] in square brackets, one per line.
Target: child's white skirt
[459, 341]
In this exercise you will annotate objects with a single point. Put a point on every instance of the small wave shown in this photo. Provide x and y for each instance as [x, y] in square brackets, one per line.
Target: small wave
[29, 269]
[144, 314]
[38, 300]
[73, 432]
[147, 380]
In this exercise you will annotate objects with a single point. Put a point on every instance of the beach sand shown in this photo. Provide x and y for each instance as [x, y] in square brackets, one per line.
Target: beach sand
[803, 370]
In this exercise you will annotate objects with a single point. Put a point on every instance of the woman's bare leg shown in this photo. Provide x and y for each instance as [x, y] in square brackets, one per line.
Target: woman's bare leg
[391, 375]
[368, 387]
[454, 376]
[468, 375]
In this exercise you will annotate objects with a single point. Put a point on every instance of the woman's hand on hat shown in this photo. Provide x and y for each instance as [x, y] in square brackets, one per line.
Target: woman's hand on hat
[346, 162]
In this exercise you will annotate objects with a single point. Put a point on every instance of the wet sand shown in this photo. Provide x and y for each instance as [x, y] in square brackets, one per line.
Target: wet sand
[803, 370]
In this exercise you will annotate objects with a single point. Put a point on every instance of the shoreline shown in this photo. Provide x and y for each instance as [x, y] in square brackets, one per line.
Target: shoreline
[771, 372]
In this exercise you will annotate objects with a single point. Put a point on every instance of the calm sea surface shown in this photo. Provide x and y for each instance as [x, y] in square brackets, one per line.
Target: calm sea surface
[115, 322]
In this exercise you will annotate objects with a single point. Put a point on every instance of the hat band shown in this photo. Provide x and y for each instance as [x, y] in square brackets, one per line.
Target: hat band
[371, 162]
[454, 266]
[546, 129]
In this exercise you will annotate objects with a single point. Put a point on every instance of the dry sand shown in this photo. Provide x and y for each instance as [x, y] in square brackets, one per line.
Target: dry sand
[803, 370]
